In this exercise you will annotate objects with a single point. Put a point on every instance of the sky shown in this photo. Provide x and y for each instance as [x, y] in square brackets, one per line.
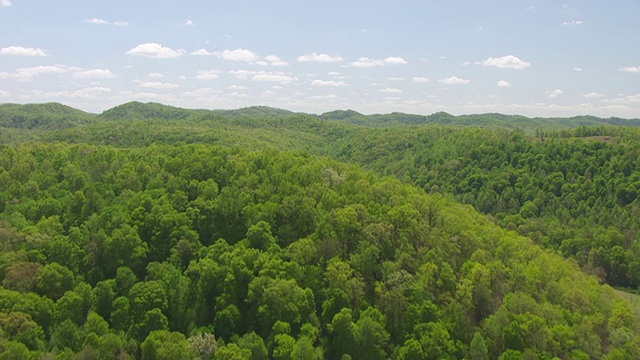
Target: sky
[532, 58]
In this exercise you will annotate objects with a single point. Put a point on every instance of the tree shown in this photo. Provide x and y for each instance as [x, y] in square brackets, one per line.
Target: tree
[370, 336]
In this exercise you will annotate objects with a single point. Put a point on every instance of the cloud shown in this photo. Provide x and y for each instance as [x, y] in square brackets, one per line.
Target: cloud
[328, 83]
[189, 23]
[90, 93]
[202, 93]
[396, 78]
[5, 3]
[319, 58]
[503, 83]
[273, 77]
[207, 75]
[4, 94]
[555, 93]
[390, 91]
[155, 75]
[158, 85]
[238, 55]
[592, 95]
[419, 79]
[269, 93]
[94, 74]
[242, 74]
[28, 74]
[506, 62]
[630, 99]
[239, 87]
[324, 97]
[578, 69]
[275, 61]
[573, 23]
[202, 52]
[454, 80]
[98, 21]
[22, 51]
[365, 62]
[631, 69]
[155, 51]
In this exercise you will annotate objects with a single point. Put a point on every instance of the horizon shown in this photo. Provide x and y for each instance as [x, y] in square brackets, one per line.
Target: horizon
[317, 114]
[534, 59]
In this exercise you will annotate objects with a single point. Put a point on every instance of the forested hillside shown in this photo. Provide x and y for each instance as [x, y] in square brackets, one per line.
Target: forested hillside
[157, 232]
[154, 251]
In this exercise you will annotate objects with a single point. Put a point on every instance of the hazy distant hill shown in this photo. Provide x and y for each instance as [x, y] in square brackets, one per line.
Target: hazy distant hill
[490, 119]
[137, 111]
[47, 116]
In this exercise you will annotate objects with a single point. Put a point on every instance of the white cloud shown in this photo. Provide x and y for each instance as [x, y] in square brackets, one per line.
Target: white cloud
[555, 93]
[269, 93]
[238, 87]
[260, 63]
[94, 74]
[506, 62]
[155, 51]
[158, 85]
[333, 73]
[5, 3]
[328, 83]
[503, 83]
[630, 99]
[572, 23]
[578, 69]
[631, 69]
[242, 74]
[324, 97]
[275, 61]
[364, 62]
[454, 80]
[90, 93]
[27, 74]
[390, 91]
[592, 95]
[155, 75]
[189, 23]
[207, 75]
[273, 77]
[319, 58]
[395, 78]
[419, 79]
[202, 52]
[98, 21]
[4, 93]
[393, 60]
[239, 55]
[22, 51]
[202, 93]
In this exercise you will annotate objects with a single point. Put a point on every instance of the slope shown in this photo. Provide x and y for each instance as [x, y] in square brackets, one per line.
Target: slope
[156, 250]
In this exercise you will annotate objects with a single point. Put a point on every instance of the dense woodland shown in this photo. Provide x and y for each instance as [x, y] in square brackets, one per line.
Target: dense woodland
[162, 233]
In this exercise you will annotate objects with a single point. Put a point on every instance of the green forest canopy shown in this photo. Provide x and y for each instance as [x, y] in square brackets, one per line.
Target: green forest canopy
[141, 238]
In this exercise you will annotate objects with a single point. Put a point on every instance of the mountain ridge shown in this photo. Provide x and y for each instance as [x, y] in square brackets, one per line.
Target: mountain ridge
[49, 116]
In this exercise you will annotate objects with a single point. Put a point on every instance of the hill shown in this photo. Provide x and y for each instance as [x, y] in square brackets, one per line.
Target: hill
[49, 116]
[200, 251]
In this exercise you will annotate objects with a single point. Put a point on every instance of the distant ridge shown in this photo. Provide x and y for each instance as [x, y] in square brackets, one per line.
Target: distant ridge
[49, 116]
[52, 116]
[136, 110]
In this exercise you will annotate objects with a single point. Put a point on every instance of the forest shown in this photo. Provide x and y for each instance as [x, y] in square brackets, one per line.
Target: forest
[155, 232]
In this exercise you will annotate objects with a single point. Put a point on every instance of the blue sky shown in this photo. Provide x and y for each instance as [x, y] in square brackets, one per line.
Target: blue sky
[536, 58]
